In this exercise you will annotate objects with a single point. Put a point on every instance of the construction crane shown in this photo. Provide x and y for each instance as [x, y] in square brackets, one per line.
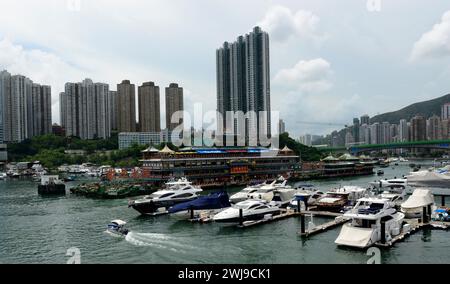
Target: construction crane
[322, 123]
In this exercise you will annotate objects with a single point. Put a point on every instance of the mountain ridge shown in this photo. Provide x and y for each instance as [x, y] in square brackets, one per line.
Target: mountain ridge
[425, 108]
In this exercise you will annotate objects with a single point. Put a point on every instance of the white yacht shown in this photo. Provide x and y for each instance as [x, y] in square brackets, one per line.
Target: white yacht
[243, 194]
[282, 197]
[354, 193]
[364, 229]
[260, 191]
[160, 201]
[395, 195]
[413, 207]
[251, 210]
[390, 183]
[311, 196]
[267, 192]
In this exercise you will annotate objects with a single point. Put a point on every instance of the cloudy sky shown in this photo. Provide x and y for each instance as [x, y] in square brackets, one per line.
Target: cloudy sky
[330, 60]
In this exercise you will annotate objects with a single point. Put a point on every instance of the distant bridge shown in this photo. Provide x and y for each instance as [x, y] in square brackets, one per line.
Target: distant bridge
[355, 149]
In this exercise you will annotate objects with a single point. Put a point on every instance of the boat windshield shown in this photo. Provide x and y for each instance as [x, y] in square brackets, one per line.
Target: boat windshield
[370, 208]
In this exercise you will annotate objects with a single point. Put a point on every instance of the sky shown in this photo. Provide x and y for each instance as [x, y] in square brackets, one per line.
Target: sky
[330, 60]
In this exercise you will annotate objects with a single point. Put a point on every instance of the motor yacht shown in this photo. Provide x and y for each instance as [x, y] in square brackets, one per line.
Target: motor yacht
[308, 196]
[243, 194]
[390, 183]
[365, 227]
[413, 206]
[160, 201]
[251, 210]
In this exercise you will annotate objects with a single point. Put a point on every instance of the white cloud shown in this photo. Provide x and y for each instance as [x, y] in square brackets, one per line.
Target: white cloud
[312, 76]
[282, 23]
[40, 66]
[434, 43]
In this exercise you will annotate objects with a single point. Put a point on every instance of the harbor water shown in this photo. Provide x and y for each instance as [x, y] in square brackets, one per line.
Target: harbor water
[36, 229]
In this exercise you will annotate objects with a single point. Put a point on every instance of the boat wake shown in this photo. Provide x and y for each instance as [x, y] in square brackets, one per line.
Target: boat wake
[160, 241]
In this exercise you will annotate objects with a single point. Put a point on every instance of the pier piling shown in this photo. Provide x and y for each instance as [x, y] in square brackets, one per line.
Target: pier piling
[443, 200]
[424, 215]
[241, 217]
[302, 224]
[383, 232]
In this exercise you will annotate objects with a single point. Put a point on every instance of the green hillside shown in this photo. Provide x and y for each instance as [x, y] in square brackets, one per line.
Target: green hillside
[426, 108]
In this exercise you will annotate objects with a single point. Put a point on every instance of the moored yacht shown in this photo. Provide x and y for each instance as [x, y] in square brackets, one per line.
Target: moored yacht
[243, 194]
[365, 227]
[413, 207]
[305, 195]
[203, 206]
[251, 210]
[390, 183]
[160, 201]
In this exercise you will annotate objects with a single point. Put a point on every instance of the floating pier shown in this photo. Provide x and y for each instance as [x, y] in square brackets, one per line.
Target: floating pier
[284, 215]
[416, 225]
[322, 228]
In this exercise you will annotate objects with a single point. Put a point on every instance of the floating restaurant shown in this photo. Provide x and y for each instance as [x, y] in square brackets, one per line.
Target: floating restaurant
[210, 167]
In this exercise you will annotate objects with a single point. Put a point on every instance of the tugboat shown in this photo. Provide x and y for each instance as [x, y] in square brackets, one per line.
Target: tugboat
[51, 185]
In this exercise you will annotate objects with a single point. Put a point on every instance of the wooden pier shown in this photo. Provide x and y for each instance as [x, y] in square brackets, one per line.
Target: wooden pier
[415, 227]
[284, 215]
[323, 227]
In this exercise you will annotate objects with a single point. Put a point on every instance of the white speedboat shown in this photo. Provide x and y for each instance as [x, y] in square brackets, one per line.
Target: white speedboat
[413, 207]
[365, 228]
[117, 228]
[390, 183]
[160, 201]
[251, 210]
[3, 176]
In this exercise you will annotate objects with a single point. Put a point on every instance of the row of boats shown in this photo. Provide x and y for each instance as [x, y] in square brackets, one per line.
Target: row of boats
[180, 198]
[372, 218]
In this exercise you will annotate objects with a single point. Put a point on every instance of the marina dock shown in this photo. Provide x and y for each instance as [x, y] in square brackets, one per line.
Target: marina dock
[284, 215]
[415, 227]
[323, 227]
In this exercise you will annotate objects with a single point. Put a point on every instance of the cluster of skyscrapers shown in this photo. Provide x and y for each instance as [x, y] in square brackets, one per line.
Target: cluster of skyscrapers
[90, 110]
[418, 128]
[243, 85]
[25, 108]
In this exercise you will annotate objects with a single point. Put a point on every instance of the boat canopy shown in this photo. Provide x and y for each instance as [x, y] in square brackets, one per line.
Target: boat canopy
[355, 237]
[119, 222]
[419, 198]
[431, 179]
[212, 201]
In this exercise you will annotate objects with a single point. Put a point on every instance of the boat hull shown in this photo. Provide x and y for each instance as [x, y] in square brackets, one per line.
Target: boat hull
[152, 207]
[248, 217]
[52, 189]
